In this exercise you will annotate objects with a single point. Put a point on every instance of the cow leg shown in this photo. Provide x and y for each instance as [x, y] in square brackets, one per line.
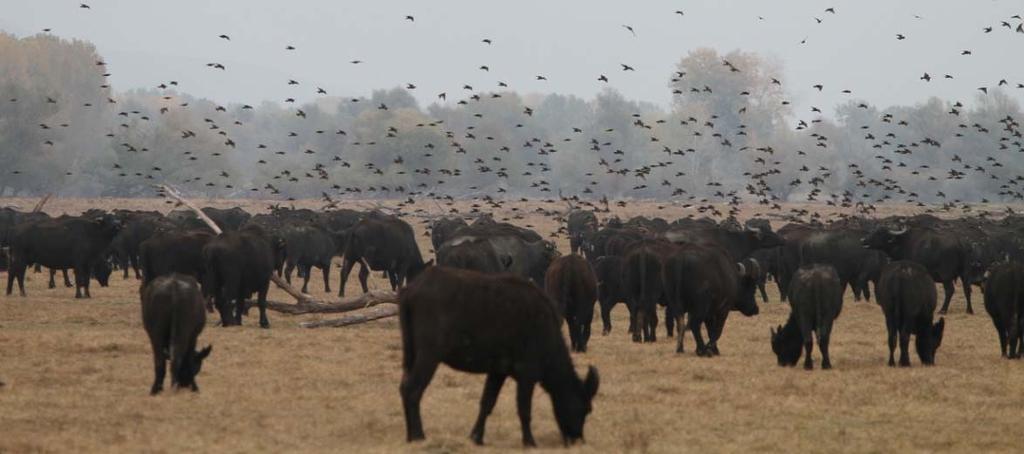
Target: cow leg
[698, 338]
[1001, 331]
[905, 347]
[53, 282]
[67, 282]
[651, 335]
[223, 307]
[326, 269]
[670, 321]
[967, 294]
[134, 260]
[714, 333]
[261, 299]
[574, 335]
[364, 274]
[305, 270]
[288, 268]
[890, 327]
[681, 327]
[606, 317]
[948, 288]
[159, 370]
[808, 349]
[760, 287]
[16, 272]
[524, 403]
[1012, 333]
[491, 389]
[639, 324]
[414, 382]
[824, 334]
[585, 320]
[346, 268]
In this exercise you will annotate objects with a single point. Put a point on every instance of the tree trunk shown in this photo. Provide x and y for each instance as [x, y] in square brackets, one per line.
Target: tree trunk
[379, 312]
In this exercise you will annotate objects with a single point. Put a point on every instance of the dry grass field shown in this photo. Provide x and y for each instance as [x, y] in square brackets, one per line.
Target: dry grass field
[77, 377]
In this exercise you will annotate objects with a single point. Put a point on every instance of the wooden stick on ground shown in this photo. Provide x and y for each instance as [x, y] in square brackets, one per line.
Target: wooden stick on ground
[330, 307]
[39, 206]
[376, 313]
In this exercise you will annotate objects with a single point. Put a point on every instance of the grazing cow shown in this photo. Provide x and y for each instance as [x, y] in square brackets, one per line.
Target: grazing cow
[238, 264]
[581, 224]
[444, 229]
[1004, 302]
[173, 315]
[307, 246]
[706, 283]
[941, 253]
[499, 325]
[907, 296]
[174, 252]
[67, 243]
[611, 289]
[572, 284]
[382, 243]
[99, 270]
[816, 298]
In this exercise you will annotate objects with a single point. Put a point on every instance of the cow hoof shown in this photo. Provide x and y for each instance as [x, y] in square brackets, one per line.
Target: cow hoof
[477, 438]
[808, 366]
[826, 366]
[970, 311]
[265, 325]
[155, 390]
[942, 311]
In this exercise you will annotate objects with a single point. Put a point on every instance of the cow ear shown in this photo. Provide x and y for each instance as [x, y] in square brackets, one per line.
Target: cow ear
[591, 383]
[202, 354]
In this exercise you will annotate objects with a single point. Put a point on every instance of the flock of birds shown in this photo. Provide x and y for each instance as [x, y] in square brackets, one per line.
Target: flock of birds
[1006, 135]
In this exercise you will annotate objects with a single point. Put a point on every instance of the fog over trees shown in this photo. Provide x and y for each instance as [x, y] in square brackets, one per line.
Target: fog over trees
[730, 132]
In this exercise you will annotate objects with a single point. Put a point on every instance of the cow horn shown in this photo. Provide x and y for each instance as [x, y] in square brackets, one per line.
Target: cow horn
[901, 231]
[743, 270]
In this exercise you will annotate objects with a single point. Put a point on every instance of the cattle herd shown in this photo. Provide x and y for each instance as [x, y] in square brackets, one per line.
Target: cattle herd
[497, 296]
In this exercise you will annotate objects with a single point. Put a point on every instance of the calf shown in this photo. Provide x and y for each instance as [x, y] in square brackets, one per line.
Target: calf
[907, 296]
[571, 283]
[816, 298]
[1004, 302]
[499, 325]
[173, 315]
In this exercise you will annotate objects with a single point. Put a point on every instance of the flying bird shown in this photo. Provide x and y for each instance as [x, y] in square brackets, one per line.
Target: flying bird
[627, 27]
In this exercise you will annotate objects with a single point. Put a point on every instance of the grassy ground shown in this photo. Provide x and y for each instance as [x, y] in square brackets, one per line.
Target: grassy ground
[77, 377]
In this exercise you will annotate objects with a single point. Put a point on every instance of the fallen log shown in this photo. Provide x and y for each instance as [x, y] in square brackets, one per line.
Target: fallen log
[376, 313]
[311, 306]
[39, 206]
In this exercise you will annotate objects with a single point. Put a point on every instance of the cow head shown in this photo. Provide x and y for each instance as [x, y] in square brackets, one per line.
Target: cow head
[109, 224]
[185, 376]
[883, 238]
[764, 238]
[101, 270]
[572, 404]
[748, 271]
[786, 344]
[928, 343]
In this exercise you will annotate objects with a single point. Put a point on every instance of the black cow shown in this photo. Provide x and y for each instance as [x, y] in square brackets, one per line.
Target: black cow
[1004, 302]
[307, 246]
[173, 315]
[793, 236]
[238, 264]
[816, 298]
[382, 243]
[174, 252]
[580, 225]
[74, 243]
[499, 325]
[137, 228]
[611, 288]
[706, 283]
[842, 250]
[642, 276]
[907, 296]
[940, 252]
[443, 229]
[571, 283]
[99, 269]
[739, 244]
[471, 253]
[229, 219]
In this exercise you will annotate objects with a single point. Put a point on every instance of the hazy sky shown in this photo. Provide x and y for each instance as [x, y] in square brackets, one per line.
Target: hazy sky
[147, 42]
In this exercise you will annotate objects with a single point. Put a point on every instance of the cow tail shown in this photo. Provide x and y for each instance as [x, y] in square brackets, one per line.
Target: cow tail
[175, 350]
[406, 326]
